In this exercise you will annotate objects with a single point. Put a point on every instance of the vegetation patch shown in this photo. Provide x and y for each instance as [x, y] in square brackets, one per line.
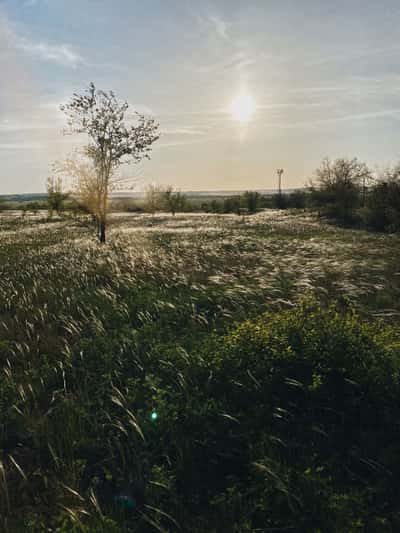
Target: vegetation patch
[176, 380]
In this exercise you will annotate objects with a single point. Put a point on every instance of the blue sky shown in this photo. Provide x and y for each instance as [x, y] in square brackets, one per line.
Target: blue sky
[325, 77]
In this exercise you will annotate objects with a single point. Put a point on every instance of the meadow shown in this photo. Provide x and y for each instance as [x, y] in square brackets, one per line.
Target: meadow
[199, 372]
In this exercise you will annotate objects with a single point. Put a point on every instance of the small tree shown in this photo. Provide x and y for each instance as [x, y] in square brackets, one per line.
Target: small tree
[111, 142]
[55, 195]
[251, 200]
[174, 200]
[337, 186]
[232, 204]
[86, 185]
[154, 198]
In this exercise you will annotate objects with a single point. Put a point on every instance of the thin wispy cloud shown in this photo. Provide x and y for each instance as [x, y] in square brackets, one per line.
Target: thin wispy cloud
[215, 25]
[189, 130]
[236, 61]
[352, 117]
[62, 54]
[221, 26]
[356, 89]
[288, 105]
[180, 143]
[347, 56]
[21, 146]
[385, 113]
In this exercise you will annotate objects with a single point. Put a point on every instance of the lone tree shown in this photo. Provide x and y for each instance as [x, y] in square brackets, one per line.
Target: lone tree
[111, 141]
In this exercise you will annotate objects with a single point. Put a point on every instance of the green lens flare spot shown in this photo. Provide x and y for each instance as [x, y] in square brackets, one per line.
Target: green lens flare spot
[154, 415]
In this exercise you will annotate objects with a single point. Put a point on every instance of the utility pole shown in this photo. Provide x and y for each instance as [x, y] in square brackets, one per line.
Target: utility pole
[280, 172]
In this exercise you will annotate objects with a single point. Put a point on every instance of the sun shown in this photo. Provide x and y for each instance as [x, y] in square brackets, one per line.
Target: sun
[243, 107]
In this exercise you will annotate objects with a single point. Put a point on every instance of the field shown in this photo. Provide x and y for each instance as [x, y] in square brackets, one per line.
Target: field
[123, 403]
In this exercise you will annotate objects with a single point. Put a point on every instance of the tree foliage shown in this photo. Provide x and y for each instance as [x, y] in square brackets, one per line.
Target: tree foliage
[112, 141]
[383, 206]
[153, 198]
[86, 188]
[174, 201]
[337, 186]
[251, 201]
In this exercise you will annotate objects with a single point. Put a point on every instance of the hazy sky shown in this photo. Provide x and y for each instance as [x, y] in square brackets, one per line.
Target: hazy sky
[325, 77]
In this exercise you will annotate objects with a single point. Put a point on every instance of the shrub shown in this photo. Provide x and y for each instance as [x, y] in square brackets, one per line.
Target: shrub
[383, 211]
[299, 423]
[297, 199]
[337, 189]
[251, 200]
[285, 422]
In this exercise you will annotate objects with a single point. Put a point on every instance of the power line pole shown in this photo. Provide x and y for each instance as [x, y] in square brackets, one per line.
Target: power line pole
[280, 172]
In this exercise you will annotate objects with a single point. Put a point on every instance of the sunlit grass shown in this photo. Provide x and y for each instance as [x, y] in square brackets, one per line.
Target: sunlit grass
[76, 317]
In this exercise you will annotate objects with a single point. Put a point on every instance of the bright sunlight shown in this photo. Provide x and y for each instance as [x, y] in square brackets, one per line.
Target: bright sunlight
[243, 107]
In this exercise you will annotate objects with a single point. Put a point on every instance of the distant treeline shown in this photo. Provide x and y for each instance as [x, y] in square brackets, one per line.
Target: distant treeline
[347, 192]
[167, 200]
[344, 191]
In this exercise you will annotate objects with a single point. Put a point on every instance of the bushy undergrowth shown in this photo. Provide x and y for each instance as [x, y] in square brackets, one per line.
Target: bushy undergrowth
[135, 395]
[312, 396]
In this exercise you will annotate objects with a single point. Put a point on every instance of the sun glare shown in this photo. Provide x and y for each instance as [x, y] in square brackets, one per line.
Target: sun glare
[243, 107]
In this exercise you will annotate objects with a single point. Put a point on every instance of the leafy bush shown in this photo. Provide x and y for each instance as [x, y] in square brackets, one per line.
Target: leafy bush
[285, 422]
[383, 211]
[296, 425]
[297, 199]
[337, 189]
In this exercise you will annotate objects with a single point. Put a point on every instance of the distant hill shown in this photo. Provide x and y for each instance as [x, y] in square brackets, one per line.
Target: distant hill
[139, 194]
[23, 197]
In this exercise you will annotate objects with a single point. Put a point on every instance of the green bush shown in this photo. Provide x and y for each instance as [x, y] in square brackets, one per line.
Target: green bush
[286, 422]
[383, 208]
[313, 401]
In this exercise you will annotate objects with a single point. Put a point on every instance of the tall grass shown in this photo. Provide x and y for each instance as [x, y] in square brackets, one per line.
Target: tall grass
[101, 348]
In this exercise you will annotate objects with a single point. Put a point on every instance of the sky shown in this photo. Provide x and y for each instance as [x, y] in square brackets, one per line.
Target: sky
[324, 79]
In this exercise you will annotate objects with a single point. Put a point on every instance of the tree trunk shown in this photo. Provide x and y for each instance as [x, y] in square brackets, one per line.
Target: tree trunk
[102, 235]
[97, 224]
